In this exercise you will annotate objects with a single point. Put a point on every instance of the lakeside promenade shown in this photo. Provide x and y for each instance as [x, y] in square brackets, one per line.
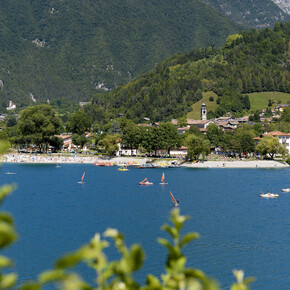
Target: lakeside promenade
[119, 161]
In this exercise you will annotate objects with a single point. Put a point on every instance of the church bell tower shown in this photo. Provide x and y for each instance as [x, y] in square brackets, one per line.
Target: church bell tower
[203, 112]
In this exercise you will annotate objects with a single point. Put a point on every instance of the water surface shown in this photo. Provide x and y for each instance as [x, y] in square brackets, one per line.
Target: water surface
[239, 230]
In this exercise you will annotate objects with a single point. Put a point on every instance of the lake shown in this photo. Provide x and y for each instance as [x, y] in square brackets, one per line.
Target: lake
[239, 230]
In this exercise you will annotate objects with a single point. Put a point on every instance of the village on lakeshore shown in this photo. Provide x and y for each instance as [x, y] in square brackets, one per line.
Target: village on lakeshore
[224, 142]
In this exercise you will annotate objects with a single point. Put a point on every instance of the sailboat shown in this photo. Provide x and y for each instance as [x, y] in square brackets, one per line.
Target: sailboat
[82, 179]
[163, 179]
[174, 200]
[123, 168]
[145, 182]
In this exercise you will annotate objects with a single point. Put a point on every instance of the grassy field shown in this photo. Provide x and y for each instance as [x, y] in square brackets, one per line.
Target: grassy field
[211, 106]
[260, 101]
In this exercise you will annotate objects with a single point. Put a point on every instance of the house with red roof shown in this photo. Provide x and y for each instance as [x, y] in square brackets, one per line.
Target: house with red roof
[284, 138]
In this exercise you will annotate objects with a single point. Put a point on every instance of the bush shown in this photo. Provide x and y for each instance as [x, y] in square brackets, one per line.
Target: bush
[288, 160]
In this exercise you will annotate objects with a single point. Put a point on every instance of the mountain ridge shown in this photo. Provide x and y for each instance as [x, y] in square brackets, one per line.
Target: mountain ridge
[52, 49]
[252, 61]
[283, 4]
[255, 14]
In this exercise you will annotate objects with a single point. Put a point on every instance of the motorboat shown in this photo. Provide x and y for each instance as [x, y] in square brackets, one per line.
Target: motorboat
[269, 195]
[123, 168]
[285, 189]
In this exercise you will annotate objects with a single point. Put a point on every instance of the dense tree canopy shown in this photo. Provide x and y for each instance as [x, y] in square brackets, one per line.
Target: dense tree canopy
[78, 122]
[197, 146]
[38, 124]
[270, 145]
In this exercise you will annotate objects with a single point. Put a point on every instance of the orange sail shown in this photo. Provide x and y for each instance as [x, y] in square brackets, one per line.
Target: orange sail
[173, 199]
[82, 179]
[163, 178]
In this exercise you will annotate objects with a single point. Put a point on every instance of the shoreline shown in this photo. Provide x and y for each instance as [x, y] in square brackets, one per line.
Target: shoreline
[129, 161]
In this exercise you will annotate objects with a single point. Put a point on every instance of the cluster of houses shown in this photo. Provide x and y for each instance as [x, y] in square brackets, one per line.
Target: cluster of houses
[225, 123]
[230, 124]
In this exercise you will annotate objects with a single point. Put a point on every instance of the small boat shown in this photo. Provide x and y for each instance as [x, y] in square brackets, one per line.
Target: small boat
[285, 189]
[57, 165]
[146, 166]
[175, 201]
[123, 168]
[269, 195]
[82, 179]
[8, 172]
[145, 182]
[163, 179]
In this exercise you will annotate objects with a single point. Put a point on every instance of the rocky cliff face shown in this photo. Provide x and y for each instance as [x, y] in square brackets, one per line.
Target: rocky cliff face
[283, 4]
[256, 14]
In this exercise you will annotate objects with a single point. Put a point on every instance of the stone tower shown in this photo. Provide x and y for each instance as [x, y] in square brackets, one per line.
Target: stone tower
[203, 112]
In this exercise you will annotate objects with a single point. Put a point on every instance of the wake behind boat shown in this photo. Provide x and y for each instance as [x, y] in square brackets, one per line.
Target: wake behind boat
[145, 182]
[269, 195]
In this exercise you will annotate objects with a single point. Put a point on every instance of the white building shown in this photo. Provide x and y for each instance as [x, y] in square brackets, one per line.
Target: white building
[203, 112]
[122, 151]
[12, 106]
[284, 138]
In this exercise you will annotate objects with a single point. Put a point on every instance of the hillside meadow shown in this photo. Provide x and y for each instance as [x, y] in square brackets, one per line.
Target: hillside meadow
[260, 100]
[210, 105]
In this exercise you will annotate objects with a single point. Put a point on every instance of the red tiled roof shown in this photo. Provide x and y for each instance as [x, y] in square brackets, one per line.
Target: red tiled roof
[183, 148]
[277, 133]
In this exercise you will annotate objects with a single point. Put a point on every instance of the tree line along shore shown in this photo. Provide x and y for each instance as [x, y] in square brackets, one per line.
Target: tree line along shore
[39, 128]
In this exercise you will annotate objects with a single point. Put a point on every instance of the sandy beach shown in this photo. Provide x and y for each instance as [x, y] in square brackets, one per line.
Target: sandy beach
[237, 164]
[119, 161]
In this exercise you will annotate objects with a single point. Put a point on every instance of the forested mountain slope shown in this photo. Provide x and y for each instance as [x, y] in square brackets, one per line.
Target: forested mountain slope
[52, 49]
[256, 14]
[251, 61]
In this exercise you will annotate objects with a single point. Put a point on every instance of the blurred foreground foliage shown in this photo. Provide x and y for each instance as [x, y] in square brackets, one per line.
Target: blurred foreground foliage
[118, 274]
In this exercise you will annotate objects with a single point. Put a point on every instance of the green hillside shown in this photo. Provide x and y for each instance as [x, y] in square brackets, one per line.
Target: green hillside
[210, 105]
[253, 61]
[54, 49]
[260, 100]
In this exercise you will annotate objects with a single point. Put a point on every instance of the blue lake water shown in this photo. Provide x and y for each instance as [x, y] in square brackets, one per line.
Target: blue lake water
[239, 230]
